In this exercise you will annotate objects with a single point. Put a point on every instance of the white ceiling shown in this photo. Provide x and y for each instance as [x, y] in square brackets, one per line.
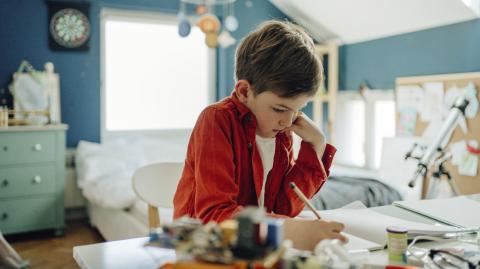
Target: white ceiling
[351, 21]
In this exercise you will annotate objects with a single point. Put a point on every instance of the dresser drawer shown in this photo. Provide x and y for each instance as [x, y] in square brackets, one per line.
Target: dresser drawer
[16, 148]
[18, 215]
[27, 180]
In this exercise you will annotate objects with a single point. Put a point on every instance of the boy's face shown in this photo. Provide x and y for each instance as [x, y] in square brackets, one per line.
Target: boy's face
[273, 113]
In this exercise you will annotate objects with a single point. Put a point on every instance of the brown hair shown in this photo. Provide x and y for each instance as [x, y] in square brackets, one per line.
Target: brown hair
[279, 57]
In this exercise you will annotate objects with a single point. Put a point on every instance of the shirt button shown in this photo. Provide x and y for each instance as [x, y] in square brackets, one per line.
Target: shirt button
[249, 145]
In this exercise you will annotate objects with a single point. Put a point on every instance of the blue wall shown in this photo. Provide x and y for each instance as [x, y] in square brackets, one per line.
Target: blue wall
[24, 35]
[449, 49]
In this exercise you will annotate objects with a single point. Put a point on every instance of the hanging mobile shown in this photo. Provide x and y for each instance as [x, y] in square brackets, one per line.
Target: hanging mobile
[184, 26]
[231, 23]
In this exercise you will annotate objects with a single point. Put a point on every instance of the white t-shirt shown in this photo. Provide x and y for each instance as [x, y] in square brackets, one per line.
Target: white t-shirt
[266, 148]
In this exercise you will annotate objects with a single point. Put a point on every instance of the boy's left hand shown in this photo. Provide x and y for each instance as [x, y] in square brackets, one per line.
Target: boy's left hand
[304, 127]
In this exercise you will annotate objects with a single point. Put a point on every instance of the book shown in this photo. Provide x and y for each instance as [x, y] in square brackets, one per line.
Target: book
[460, 211]
[366, 228]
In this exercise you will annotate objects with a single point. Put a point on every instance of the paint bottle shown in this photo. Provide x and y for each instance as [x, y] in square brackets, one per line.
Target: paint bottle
[397, 243]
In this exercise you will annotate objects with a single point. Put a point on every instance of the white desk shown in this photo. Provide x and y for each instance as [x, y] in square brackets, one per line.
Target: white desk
[130, 253]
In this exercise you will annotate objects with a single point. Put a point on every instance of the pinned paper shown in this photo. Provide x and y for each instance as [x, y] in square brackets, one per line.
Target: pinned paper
[471, 94]
[451, 95]
[466, 161]
[432, 101]
[407, 122]
[410, 97]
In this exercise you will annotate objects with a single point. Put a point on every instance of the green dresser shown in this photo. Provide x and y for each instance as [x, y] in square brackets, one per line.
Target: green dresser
[32, 178]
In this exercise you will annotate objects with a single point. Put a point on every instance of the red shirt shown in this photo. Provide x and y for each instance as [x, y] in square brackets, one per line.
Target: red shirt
[223, 169]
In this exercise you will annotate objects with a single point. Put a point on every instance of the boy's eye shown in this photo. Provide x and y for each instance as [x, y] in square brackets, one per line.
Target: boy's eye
[279, 110]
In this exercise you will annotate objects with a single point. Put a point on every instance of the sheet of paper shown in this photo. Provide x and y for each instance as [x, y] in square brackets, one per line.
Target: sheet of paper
[395, 170]
[465, 161]
[356, 243]
[410, 96]
[471, 93]
[371, 225]
[447, 210]
[432, 101]
[407, 122]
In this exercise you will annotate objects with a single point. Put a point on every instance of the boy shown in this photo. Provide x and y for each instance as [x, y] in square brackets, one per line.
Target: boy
[240, 150]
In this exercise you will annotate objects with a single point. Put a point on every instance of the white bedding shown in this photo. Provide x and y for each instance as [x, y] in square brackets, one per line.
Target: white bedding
[104, 171]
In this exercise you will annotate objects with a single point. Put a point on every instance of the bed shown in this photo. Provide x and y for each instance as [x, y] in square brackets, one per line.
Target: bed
[104, 175]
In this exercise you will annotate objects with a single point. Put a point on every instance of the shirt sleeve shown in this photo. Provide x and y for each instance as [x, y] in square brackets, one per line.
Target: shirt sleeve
[215, 191]
[308, 173]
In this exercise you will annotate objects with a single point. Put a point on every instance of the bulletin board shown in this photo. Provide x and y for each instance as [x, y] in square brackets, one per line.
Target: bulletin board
[466, 184]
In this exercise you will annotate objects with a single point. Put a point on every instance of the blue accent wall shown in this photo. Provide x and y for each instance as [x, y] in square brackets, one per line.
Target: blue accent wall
[24, 35]
[448, 49]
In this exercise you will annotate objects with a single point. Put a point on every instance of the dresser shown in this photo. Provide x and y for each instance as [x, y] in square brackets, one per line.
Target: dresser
[32, 178]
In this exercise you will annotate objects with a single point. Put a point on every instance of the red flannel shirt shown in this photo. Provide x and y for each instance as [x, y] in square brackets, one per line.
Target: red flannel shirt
[223, 170]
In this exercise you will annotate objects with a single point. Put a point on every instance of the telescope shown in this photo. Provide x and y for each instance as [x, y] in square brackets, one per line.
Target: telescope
[438, 144]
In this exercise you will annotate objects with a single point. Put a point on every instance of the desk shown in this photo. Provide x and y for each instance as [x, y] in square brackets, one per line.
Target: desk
[130, 253]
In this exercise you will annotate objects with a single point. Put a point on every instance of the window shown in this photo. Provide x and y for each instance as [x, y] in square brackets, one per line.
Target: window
[361, 123]
[153, 80]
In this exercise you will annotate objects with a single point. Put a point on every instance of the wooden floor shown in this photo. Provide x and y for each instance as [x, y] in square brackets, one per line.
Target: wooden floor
[44, 250]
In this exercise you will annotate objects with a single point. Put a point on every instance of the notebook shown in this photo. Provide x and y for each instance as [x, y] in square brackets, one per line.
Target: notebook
[366, 228]
[460, 211]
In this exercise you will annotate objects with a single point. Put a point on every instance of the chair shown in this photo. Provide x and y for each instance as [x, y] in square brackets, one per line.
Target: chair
[156, 184]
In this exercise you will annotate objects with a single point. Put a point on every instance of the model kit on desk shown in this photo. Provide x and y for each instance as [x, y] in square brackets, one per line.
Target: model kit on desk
[251, 240]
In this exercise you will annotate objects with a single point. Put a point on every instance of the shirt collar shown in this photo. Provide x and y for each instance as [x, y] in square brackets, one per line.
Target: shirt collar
[243, 111]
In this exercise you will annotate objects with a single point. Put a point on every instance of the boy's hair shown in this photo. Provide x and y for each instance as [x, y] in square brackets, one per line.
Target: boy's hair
[279, 57]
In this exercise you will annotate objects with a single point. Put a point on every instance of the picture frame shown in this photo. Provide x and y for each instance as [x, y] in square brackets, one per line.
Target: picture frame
[36, 96]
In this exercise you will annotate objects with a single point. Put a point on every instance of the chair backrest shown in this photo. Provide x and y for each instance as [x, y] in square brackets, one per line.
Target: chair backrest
[156, 185]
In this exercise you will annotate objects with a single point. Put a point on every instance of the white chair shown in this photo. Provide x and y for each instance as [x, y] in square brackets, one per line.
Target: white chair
[156, 184]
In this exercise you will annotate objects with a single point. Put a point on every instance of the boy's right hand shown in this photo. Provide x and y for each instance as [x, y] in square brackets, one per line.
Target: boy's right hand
[306, 233]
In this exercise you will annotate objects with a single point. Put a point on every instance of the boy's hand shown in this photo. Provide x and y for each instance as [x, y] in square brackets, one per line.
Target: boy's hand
[304, 127]
[306, 233]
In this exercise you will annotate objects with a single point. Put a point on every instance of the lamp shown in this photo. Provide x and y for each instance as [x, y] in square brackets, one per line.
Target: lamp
[216, 33]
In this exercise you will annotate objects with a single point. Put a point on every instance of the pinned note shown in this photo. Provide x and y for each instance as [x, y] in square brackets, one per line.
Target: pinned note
[466, 161]
[432, 101]
[407, 121]
[471, 94]
[410, 97]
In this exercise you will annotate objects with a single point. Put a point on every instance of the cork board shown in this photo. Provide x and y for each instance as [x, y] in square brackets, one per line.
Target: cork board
[466, 184]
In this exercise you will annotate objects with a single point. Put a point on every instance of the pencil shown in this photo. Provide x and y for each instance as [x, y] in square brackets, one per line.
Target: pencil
[304, 199]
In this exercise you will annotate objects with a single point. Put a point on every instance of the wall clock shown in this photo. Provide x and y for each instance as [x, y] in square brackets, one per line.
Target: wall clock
[69, 26]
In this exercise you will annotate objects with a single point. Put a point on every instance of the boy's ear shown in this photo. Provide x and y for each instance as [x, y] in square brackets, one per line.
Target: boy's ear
[243, 90]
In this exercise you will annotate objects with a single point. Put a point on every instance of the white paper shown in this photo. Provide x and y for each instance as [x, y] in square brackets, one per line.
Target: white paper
[407, 122]
[371, 225]
[447, 210]
[465, 161]
[432, 101]
[410, 96]
[451, 95]
[471, 93]
[395, 170]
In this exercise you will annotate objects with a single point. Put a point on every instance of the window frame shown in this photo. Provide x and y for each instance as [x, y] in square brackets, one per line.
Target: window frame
[143, 16]
[369, 98]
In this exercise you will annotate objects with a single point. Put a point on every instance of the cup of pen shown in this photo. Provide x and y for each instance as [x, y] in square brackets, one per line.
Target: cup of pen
[397, 244]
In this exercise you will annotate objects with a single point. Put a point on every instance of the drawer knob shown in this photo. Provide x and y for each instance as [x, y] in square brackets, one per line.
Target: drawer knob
[4, 216]
[5, 148]
[5, 183]
[37, 147]
[36, 179]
